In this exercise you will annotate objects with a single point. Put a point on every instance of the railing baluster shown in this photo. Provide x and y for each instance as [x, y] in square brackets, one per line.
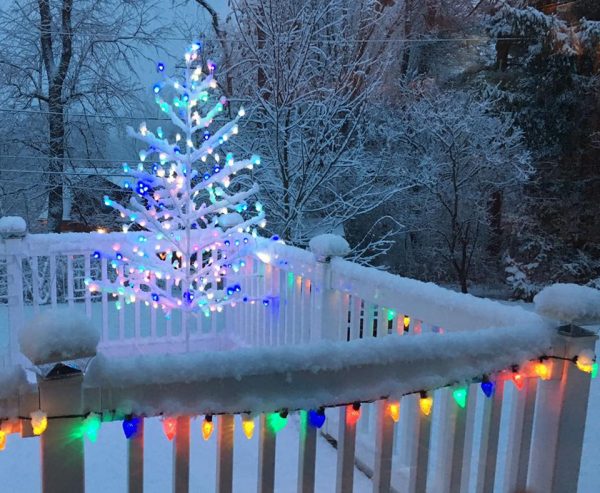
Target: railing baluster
[355, 317]
[491, 434]
[135, 460]
[345, 453]
[35, 282]
[526, 431]
[181, 456]
[53, 279]
[306, 310]
[281, 318]
[225, 454]
[70, 293]
[298, 307]
[384, 440]
[169, 321]
[382, 326]
[122, 318]
[266, 457]
[422, 458]
[87, 295]
[368, 320]
[104, 298]
[137, 319]
[460, 458]
[306, 455]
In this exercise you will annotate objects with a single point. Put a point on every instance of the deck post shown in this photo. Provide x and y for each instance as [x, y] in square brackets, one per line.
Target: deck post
[560, 416]
[326, 302]
[14, 270]
[62, 442]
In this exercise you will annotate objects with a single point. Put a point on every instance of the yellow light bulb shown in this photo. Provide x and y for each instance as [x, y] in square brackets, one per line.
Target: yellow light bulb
[426, 403]
[39, 422]
[542, 370]
[248, 426]
[2, 440]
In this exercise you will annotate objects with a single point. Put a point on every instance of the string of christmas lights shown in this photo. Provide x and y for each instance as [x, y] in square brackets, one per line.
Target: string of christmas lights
[276, 421]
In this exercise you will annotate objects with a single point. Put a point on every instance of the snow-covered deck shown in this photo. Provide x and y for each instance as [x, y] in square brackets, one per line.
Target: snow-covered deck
[328, 334]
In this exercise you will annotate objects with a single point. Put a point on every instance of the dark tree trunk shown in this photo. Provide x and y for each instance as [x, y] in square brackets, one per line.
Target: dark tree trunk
[56, 74]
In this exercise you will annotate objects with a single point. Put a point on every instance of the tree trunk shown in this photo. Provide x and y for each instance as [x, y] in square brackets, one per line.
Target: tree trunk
[56, 74]
[55, 165]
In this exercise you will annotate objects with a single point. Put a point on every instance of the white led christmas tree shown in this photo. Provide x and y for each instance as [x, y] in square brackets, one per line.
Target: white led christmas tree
[189, 223]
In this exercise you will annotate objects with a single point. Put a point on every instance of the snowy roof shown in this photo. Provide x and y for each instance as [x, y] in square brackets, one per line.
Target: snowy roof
[80, 175]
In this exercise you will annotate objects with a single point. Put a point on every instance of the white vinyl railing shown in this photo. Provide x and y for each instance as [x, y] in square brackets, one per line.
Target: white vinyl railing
[320, 332]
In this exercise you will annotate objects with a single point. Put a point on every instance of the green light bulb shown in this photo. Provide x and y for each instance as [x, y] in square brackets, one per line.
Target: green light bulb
[460, 396]
[275, 422]
[91, 425]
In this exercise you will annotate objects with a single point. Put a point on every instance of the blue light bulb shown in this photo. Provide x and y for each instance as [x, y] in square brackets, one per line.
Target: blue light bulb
[487, 387]
[96, 254]
[160, 67]
[316, 418]
[130, 426]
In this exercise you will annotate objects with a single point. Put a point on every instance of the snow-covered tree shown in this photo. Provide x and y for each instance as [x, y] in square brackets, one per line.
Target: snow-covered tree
[547, 76]
[192, 216]
[307, 71]
[456, 153]
[67, 68]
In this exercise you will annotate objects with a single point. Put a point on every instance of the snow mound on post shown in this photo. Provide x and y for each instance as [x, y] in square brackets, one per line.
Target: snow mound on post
[329, 245]
[12, 226]
[569, 303]
[58, 335]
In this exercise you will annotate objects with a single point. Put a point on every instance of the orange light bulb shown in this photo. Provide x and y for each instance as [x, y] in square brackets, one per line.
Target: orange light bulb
[352, 413]
[394, 411]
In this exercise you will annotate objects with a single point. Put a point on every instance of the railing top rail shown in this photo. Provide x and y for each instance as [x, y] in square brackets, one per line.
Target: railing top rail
[305, 377]
[430, 302]
[425, 301]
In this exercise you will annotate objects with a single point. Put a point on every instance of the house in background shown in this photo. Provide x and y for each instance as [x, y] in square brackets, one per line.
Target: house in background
[83, 204]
